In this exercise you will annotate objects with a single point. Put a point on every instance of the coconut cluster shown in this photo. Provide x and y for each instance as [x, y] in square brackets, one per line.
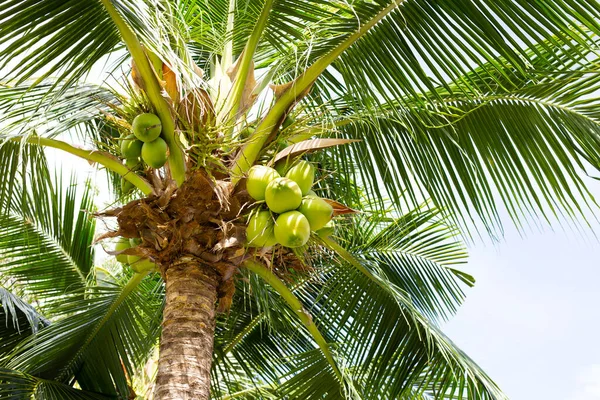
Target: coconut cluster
[144, 146]
[292, 209]
[138, 264]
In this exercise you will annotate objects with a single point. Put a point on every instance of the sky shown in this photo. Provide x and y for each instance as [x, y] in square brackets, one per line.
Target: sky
[533, 317]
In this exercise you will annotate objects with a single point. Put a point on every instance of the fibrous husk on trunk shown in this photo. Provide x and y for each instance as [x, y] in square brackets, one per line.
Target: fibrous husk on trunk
[200, 219]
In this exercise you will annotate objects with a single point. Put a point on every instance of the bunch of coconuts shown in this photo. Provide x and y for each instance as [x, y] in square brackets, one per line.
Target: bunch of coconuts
[138, 264]
[292, 209]
[144, 143]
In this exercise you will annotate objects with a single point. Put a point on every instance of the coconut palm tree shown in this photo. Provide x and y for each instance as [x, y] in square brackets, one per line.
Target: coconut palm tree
[422, 119]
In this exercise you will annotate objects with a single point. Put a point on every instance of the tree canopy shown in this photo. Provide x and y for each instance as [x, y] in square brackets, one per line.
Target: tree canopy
[450, 111]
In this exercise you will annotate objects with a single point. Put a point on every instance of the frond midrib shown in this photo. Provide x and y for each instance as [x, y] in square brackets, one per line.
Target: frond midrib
[115, 304]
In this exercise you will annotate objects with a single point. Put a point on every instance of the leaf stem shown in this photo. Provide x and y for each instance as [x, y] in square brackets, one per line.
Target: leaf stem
[253, 324]
[296, 306]
[298, 89]
[154, 91]
[102, 158]
[350, 259]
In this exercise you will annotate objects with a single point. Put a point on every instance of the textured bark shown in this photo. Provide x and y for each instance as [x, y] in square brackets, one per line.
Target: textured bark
[186, 345]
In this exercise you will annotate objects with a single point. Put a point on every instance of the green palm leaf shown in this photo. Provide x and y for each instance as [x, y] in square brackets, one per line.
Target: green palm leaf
[18, 319]
[46, 238]
[419, 254]
[100, 339]
[62, 38]
[19, 165]
[524, 145]
[18, 385]
[382, 340]
[388, 344]
[423, 44]
[24, 110]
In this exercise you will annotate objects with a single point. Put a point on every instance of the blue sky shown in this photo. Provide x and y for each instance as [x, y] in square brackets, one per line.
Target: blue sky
[533, 318]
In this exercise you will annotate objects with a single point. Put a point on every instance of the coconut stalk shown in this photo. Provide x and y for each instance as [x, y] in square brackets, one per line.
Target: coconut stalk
[154, 91]
[93, 156]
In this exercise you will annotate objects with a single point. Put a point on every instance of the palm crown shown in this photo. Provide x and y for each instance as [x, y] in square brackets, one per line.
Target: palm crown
[422, 119]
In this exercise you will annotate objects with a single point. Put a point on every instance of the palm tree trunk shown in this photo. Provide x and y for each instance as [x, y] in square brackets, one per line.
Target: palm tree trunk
[186, 344]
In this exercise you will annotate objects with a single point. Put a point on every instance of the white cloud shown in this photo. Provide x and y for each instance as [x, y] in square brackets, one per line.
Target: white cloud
[588, 384]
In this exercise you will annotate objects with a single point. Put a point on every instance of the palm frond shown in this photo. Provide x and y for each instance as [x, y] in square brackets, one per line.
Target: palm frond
[449, 39]
[385, 350]
[387, 343]
[253, 350]
[53, 38]
[423, 44]
[100, 340]
[18, 319]
[19, 385]
[419, 253]
[382, 338]
[24, 109]
[523, 145]
[19, 163]
[46, 238]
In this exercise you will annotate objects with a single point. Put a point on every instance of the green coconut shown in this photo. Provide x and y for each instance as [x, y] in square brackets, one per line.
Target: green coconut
[122, 244]
[133, 242]
[259, 176]
[303, 173]
[131, 147]
[317, 211]
[259, 232]
[155, 153]
[282, 195]
[311, 193]
[143, 265]
[133, 259]
[283, 166]
[292, 229]
[146, 127]
[327, 230]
